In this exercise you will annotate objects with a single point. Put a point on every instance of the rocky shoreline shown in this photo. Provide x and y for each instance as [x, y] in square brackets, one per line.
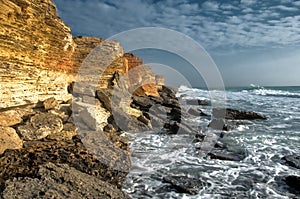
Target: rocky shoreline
[61, 140]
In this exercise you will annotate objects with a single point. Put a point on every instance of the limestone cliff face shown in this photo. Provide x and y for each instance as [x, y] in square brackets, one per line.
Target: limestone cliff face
[35, 50]
[39, 57]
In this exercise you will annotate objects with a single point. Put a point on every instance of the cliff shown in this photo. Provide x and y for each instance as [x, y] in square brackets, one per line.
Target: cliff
[39, 57]
[39, 62]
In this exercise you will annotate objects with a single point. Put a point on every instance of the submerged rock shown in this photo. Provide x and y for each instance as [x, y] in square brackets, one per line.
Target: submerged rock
[292, 160]
[197, 102]
[293, 182]
[225, 156]
[60, 181]
[233, 114]
[184, 184]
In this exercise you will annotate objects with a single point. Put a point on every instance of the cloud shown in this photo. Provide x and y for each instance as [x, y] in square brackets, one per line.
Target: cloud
[285, 8]
[210, 5]
[214, 24]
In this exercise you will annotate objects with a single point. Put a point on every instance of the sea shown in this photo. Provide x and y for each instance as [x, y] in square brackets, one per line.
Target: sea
[263, 142]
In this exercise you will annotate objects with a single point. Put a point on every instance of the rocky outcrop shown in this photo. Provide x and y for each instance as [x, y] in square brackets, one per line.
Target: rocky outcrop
[60, 181]
[292, 160]
[232, 114]
[50, 135]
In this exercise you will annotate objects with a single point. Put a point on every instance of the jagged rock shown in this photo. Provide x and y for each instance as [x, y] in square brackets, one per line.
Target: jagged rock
[221, 124]
[50, 103]
[40, 126]
[9, 139]
[105, 98]
[292, 160]
[111, 163]
[184, 184]
[233, 114]
[60, 181]
[197, 112]
[197, 102]
[167, 91]
[89, 119]
[10, 118]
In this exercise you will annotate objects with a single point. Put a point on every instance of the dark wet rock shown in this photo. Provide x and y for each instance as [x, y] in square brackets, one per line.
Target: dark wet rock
[143, 102]
[109, 128]
[184, 184]
[221, 124]
[144, 120]
[50, 103]
[225, 156]
[104, 96]
[60, 181]
[178, 128]
[157, 122]
[176, 114]
[293, 182]
[292, 160]
[218, 124]
[233, 114]
[40, 126]
[197, 102]
[95, 155]
[88, 119]
[196, 112]
[167, 91]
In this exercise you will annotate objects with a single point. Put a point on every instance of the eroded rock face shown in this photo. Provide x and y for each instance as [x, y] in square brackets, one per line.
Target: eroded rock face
[40, 126]
[35, 47]
[60, 181]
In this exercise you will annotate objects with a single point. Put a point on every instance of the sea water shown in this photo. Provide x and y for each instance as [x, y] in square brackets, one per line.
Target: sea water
[264, 143]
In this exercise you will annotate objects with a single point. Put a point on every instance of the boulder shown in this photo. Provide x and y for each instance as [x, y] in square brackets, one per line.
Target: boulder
[184, 184]
[104, 96]
[197, 102]
[10, 118]
[233, 114]
[196, 112]
[40, 126]
[68, 132]
[60, 181]
[292, 160]
[9, 139]
[50, 103]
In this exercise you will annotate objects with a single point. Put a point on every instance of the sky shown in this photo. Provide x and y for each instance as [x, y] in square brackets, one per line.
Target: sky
[250, 41]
